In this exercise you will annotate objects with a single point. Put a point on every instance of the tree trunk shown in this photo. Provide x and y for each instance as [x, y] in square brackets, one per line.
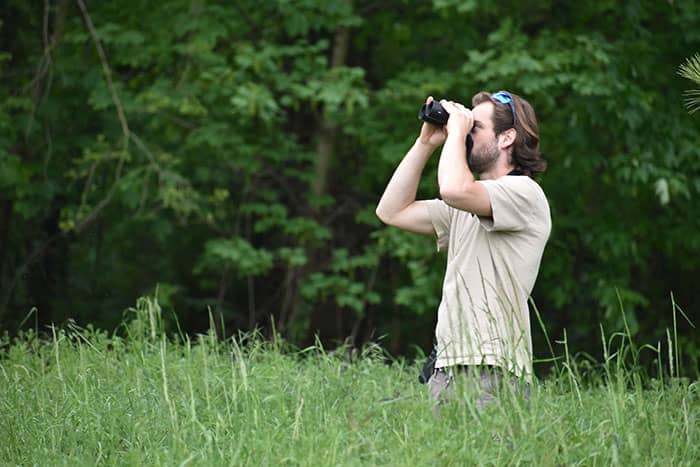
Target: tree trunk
[326, 136]
[6, 211]
[327, 133]
[326, 146]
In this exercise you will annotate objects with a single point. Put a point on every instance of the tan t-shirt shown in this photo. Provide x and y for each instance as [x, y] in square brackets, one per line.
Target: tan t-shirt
[492, 264]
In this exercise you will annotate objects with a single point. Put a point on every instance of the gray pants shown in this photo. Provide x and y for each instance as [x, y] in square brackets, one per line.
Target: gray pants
[481, 384]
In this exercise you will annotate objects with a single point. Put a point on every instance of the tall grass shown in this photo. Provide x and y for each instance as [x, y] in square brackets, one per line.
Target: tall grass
[82, 396]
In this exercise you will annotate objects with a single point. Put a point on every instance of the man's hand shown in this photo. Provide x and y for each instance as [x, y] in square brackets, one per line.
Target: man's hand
[432, 135]
[461, 119]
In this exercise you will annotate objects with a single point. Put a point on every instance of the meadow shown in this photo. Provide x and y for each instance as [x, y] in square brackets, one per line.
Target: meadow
[77, 396]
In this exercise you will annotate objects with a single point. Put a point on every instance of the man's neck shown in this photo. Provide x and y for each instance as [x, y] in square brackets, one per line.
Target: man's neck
[499, 169]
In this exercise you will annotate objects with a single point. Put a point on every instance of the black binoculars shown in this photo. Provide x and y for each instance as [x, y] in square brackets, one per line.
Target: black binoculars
[436, 114]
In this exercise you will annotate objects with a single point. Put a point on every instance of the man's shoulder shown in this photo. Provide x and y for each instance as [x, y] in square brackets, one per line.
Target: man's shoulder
[519, 181]
[518, 204]
[522, 185]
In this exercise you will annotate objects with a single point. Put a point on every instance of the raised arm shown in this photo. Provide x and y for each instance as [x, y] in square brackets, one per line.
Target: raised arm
[458, 187]
[398, 205]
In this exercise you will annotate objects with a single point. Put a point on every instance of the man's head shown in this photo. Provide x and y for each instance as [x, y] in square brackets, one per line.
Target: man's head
[505, 123]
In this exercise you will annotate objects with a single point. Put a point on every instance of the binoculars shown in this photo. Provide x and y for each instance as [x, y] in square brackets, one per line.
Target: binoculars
[435, 114]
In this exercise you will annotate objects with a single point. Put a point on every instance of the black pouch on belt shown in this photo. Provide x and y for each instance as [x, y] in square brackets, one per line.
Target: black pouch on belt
[428, 367]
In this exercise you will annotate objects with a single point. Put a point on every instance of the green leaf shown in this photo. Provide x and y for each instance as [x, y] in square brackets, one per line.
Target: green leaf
[237, 254]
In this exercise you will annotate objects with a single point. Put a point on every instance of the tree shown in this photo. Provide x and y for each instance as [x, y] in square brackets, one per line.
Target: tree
[230, 155]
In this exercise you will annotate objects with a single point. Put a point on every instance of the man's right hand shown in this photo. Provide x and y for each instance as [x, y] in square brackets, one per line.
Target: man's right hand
[432, 135]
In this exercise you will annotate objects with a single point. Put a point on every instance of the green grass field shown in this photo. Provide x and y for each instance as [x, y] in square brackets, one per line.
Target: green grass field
[84, 397]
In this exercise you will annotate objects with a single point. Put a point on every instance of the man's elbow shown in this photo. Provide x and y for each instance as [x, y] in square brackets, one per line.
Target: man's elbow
[467, 199]
[451, 194]
[383, 215]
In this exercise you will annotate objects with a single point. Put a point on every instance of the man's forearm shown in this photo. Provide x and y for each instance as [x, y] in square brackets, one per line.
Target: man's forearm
[453, 171]
[458, 187]
[401, 189]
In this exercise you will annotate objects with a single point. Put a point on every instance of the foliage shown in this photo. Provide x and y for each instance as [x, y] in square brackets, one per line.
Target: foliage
[234, 151]
[691, 70]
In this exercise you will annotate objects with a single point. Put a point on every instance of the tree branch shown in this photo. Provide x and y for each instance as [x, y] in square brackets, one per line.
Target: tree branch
[107, 72]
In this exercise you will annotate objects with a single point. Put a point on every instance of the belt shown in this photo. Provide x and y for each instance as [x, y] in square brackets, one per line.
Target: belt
[469, 369]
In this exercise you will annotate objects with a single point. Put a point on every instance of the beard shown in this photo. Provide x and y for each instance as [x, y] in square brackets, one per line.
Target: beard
[484, 157]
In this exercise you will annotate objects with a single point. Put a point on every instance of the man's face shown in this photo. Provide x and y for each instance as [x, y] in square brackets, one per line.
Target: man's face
[485, 151]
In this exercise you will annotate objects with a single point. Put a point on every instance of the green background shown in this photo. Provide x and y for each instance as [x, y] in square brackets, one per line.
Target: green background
[229, 155]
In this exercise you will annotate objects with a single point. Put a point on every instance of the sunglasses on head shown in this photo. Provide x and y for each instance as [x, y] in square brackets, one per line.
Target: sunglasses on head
[504, 97]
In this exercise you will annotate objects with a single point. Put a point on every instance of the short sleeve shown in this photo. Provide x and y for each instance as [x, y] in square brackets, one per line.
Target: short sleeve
[441, 217]
[514, 201]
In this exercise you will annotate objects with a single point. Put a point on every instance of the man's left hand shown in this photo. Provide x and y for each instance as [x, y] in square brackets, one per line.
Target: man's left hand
[461, 119]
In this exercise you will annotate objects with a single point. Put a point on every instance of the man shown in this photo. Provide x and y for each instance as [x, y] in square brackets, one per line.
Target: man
[494, 229]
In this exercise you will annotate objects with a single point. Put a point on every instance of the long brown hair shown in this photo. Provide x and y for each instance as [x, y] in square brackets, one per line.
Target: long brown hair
[526, 148]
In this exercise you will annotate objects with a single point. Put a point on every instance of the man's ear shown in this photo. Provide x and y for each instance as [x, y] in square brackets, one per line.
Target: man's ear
[507, 138]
